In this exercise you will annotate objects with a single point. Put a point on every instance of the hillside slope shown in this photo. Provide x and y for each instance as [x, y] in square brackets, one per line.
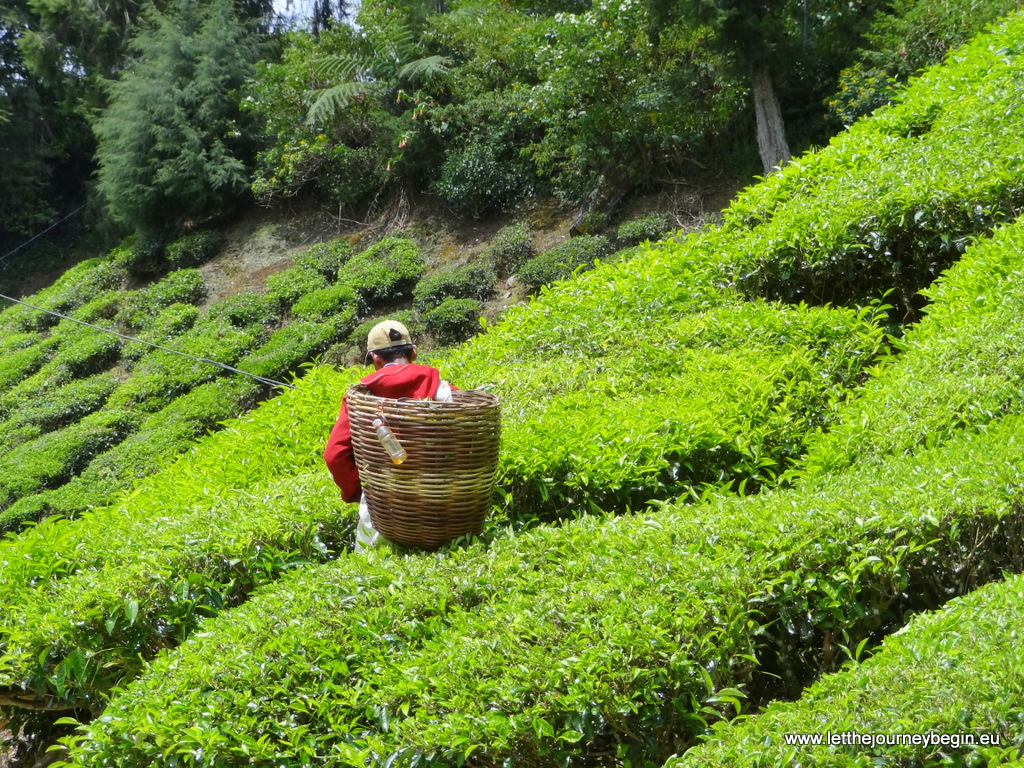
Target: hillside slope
[659, 377]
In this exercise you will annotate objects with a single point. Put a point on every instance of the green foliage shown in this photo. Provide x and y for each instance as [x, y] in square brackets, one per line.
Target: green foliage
[335, 302]
[142, 308]
[74, 288]
[958, 368]
[453, 320]
[577, 253]
[644, 228]
[172, 143]
[194, 249]
[183, 545]
[62, 406]
[327, 258]
[161, 376]
[515, 651]
[477, 178]
[470, 281]
[55, 457]
[902, 192]
[384, 273]
[511, 247]
[169, 324]
[294, 345]
[285, 288]
[161, 438]
[904, 39]
[18, 364]
[246, 309]
[949, 676]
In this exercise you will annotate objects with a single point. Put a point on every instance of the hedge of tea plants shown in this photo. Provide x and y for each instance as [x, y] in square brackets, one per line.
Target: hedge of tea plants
[949, 679]
[603, 638]
[963, 369]
[89, 601]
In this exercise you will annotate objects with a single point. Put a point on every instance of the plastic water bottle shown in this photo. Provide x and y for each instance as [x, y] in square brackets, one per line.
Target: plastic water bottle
[390, 442]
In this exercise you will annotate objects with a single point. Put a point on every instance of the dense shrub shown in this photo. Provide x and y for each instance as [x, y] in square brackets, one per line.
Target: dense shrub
[476, 179]
[516, 651]
[453, 320]
[293, 345]
[77, 286]
[194, 249]
[335, 302]
[246, 309]
[638, 230]
[161, 375]
[327, 258]
[384, 273]
[54, 458]
[949, 676]
[511, 247]
[285, 288]
[564, 259]
[471, 281]
[103, 307]
[61, 406]
[183, 545]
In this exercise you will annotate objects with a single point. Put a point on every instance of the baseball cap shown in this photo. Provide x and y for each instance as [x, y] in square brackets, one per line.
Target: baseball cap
[387, 334]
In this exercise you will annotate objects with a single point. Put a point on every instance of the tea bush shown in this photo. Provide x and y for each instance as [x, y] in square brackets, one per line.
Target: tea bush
[959, 368]
[18, 364]
[453, 320]
[185, 543]
[327, 258]
[246, 309]
[511, 247]
[293, 345]
[627, 635]
[946, 675]
[169, 324]
[161, 376]
[194, 249]
[638, 230]
[335, 302]
[894, 200]
[77, 286]
[470, 281]
[62, 406]
[160, 439]
[564, 259]
[103, 307]
[183, 286]
[384, 273]
[283, 289]
[54, 458]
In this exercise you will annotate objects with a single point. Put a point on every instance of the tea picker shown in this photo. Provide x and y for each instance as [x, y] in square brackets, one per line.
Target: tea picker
[418, 455]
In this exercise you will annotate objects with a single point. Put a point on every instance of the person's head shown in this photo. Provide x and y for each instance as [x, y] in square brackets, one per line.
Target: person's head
[389, 342]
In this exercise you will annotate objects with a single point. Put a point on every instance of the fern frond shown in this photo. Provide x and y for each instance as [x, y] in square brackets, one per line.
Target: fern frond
[341, 67]
[426, 69]
[333, 100]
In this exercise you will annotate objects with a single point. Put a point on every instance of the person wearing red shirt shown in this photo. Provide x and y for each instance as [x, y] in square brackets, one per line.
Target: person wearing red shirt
[396, 374]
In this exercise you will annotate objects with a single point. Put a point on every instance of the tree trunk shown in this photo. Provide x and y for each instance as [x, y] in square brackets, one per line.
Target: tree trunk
[771, 131]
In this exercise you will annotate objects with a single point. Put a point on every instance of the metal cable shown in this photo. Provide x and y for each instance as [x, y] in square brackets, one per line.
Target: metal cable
[11, 253]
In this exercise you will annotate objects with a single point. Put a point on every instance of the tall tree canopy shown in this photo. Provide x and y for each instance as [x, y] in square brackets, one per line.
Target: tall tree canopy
[173, 144]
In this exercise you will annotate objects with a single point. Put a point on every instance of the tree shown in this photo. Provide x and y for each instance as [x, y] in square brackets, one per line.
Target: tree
[173, 144]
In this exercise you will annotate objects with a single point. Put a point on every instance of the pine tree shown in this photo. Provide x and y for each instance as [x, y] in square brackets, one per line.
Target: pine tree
[172, 142]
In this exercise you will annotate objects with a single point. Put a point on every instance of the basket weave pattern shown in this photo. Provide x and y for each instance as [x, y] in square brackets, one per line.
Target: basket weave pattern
[443, 489]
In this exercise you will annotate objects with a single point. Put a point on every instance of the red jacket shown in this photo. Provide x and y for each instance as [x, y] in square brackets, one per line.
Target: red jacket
[411, 380]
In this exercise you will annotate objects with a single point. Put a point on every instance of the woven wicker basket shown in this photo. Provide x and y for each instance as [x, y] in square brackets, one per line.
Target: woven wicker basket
[443, 489]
